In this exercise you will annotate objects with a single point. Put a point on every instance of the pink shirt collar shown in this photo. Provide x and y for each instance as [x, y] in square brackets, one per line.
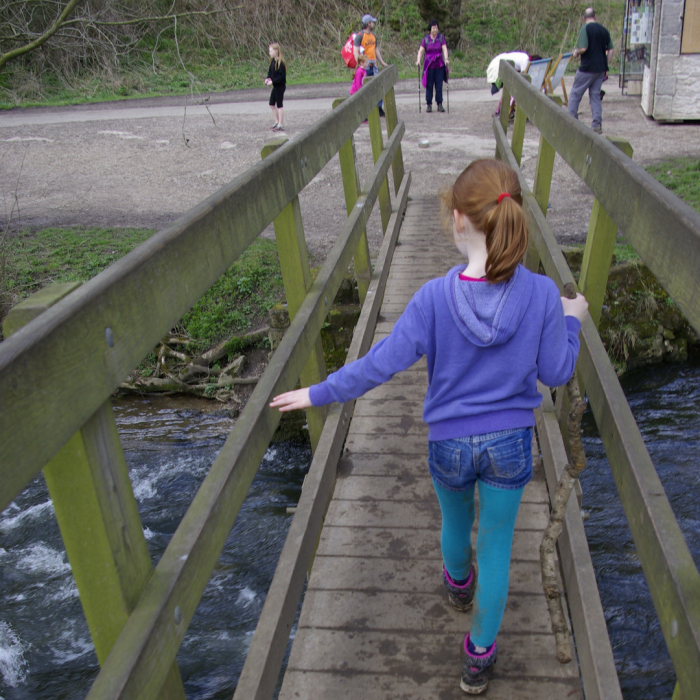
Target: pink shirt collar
[472, 279]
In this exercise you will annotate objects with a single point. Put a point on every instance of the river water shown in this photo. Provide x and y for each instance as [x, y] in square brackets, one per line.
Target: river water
[665, 401]
[45, 647]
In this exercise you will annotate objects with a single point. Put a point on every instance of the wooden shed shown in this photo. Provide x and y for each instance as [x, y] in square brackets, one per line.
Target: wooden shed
[671, 70]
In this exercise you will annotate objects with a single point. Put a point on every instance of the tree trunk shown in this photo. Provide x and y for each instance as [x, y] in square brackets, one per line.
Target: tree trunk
[448, 14]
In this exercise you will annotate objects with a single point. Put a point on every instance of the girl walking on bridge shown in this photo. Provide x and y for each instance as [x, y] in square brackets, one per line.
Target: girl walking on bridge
[489, 331]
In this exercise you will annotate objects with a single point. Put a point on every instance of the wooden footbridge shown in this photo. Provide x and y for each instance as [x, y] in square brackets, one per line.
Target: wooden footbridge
[375, 622]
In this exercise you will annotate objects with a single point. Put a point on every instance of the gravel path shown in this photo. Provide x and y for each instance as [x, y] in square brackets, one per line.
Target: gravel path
[127, 164]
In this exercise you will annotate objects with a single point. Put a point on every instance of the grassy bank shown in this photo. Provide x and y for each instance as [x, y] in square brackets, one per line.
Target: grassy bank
[681, 176]
[238, 301]
[158, 65]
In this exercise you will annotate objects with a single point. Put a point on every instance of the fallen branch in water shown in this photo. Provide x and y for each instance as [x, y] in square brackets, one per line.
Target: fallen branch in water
[195, 376]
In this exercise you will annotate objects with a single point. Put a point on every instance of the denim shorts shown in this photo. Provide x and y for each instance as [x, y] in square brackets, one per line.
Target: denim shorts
[502, 459]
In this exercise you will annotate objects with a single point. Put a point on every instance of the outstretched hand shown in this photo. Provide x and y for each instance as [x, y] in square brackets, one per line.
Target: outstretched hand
[292, 400]
[577, 307]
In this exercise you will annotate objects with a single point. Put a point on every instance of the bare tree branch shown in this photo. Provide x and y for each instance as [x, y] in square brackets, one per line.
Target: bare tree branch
[119, 23]
[20, 51]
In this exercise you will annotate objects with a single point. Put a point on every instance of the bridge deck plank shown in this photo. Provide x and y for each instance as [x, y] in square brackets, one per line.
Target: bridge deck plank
[376, 622]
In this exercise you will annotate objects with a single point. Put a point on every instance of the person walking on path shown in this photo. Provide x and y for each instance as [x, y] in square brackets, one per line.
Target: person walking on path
[434, 48]
[360, 73]
[489, 331]
[367, 40]
[277, 78]
[595, 48]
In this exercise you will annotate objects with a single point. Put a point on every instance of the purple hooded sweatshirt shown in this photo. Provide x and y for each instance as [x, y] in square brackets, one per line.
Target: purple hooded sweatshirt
[486, 346]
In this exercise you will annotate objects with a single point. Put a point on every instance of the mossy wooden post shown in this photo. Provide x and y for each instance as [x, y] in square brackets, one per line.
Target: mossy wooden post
[375, 135]
[518, 134]
[541, 190]
[518, 137]
[392, 119]
[296, 275]
[351, 187]
[600, 246]
[89, 485]
[505, 111]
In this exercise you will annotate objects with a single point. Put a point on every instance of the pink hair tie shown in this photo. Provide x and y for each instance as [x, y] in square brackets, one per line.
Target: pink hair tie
[502, 195]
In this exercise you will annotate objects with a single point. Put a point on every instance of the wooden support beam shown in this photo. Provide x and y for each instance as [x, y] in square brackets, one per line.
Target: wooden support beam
[663, 230]
[518, 134]
[593, 644]
[541, 191]
[152, 635]
[593, 647]
[600, 246]
[259, 675]
[352, 189]
[65, 352]
[505, 111]
[296, 276]
[97, 514]
[542, 186]
[663, 552]
[392, 119]
[543, 173]
[375, 135]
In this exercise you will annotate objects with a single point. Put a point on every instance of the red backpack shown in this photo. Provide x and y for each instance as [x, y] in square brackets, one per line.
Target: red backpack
[348, 52]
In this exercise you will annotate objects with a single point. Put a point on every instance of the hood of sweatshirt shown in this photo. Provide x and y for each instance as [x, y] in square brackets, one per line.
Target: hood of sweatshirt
[488, 314]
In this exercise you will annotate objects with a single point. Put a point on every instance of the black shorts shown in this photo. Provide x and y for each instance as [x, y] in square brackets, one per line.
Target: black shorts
[277, 95]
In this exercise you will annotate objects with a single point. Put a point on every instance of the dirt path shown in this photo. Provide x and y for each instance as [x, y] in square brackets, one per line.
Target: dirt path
[127, 164]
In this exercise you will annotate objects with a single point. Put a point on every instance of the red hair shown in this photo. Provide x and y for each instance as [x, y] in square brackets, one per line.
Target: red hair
[475, 194]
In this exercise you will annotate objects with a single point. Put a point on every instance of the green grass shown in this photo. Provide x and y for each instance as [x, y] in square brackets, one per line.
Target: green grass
[490, 28]
[35, 259]
[624, 252]
[239, 300]
[681, 176]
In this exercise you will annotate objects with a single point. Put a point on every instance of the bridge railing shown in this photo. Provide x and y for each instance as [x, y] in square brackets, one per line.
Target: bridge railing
[665, 233]
[69, 348]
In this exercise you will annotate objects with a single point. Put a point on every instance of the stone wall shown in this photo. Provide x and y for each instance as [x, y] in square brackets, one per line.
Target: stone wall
[673, 77]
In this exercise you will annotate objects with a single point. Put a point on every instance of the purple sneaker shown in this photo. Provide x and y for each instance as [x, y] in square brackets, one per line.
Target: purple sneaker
[462, 596]
[476, 669]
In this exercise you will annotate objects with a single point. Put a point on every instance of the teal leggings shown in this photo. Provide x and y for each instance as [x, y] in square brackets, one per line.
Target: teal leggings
[498, 509]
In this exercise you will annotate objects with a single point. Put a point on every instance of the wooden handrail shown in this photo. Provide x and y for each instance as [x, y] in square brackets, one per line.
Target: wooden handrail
[656, 223]
[673, 579]
[263, 662]
[79, 351]
[150, 638]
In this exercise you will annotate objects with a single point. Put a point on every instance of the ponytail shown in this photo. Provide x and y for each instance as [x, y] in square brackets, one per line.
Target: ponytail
[488, 193]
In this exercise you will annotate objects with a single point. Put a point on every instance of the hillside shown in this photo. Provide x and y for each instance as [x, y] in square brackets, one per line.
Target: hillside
[213, 45]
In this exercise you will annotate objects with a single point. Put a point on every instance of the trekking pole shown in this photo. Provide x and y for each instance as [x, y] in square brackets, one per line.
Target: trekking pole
[447, 85]
[419, 87]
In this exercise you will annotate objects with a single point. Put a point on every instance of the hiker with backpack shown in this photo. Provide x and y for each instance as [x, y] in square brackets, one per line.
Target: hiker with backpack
[367, 40]
[435, 67]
